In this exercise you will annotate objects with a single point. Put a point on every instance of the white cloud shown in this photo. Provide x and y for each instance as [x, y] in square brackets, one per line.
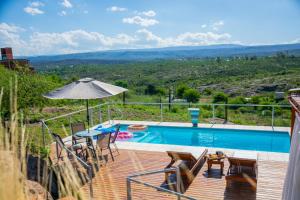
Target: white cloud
[217, 25]
[185, 39]
[203, 25]
[9, 36]
[149, 13]
[73, 41]
[140, 21]
[66, 4]
[62, 13]
[36, 4]
[33, 8]
[33, 11]
[116, 9]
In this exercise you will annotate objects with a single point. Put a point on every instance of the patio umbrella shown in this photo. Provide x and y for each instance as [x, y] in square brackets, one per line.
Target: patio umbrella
[86, 88]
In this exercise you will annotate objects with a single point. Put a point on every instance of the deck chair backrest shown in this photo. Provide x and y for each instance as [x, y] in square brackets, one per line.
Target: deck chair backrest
[103, 140]
[114, 137]
[181, 156]
[242, 162]
[191, 173]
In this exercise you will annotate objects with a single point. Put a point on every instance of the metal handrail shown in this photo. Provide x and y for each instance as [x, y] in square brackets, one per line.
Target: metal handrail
[131, 179]
[205, 104]
[87, 166]
[75, 112]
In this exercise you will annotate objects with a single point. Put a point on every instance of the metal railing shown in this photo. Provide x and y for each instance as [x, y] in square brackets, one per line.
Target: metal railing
[82, 162]
[132, 179]
[115, 110]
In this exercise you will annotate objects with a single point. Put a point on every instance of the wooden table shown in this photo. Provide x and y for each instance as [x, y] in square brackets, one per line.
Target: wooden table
[215, 161]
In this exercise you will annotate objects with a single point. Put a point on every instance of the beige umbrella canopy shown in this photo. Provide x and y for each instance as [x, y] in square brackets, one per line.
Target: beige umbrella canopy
[86, 88]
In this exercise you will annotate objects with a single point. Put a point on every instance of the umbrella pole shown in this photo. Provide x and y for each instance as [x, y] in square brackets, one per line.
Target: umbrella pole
[88, 114]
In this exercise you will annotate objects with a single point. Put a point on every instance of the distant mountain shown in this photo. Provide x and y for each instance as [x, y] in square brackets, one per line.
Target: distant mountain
[182, 52]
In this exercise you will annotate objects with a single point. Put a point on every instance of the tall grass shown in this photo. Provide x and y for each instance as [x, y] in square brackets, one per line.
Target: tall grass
[13, 161]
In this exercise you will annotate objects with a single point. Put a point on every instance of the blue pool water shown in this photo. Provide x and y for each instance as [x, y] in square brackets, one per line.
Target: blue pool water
[272, 141]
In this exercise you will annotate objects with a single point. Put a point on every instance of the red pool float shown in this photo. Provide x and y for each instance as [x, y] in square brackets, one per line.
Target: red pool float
[124, 135]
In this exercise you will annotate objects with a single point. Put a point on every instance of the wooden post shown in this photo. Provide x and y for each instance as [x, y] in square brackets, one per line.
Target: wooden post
[293, 111]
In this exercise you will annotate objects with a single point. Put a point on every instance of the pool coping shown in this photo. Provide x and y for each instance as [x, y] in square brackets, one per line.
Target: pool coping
[261, 155]
[202, 125]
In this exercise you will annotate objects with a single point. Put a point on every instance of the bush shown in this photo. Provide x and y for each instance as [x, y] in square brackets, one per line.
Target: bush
[181, 90]
[220, 97]
[191, 95]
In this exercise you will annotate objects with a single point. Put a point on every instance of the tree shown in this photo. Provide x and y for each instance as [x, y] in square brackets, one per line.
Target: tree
[180, 91]
[220, 97]
[191, 95]
[121, 83]
[150, 90]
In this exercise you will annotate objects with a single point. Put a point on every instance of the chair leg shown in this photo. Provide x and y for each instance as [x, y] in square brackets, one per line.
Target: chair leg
[115, 145]
[112, 157]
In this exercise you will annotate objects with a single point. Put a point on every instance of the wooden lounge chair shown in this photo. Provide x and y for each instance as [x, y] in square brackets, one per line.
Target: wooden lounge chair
[242, 170]
[188, 167]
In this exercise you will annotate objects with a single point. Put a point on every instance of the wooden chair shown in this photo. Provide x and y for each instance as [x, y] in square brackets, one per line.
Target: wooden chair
[114, 137]
[188, 167]
[242, 170]
[103, 143]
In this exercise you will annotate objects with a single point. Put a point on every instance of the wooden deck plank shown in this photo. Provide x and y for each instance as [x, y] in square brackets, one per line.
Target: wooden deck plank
[110, 181]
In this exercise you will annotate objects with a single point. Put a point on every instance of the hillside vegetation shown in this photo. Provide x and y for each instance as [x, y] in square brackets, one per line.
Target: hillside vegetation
[244, 76]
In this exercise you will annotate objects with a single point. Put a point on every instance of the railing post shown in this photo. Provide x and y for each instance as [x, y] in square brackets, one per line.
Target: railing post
[70, 122]
[213, 109]
[161, 112]
[108, 112]
[128, 189]
[43, 134]
[273, 116]
[100, 114]
[91, 116]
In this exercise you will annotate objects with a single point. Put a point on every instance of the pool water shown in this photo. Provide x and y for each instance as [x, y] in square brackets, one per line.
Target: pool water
[272, 141]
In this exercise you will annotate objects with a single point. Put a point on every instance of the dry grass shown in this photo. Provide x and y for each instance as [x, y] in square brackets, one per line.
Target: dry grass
[13, 166]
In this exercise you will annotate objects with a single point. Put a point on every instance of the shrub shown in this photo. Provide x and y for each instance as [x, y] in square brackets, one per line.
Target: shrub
[191, 95]
[220, 97]
[180, 91]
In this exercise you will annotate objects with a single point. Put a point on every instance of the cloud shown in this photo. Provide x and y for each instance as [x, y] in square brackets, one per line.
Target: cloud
[33, 11]
[149, 13]
[116, 9]
[79, 40]
[185, 39]
[140, 21]
[33, 8]
[203, 25]
[62, 13]
[66, 4]
[217, 25]
[36, 4]
[9, 36]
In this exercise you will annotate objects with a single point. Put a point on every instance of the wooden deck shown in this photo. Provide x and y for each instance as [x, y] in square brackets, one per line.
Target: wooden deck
[110, 181]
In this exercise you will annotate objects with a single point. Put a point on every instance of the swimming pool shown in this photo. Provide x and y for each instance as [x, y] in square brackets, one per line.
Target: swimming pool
[272, 141]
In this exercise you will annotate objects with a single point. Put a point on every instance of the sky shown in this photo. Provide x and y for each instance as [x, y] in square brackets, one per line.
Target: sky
[46, 27]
